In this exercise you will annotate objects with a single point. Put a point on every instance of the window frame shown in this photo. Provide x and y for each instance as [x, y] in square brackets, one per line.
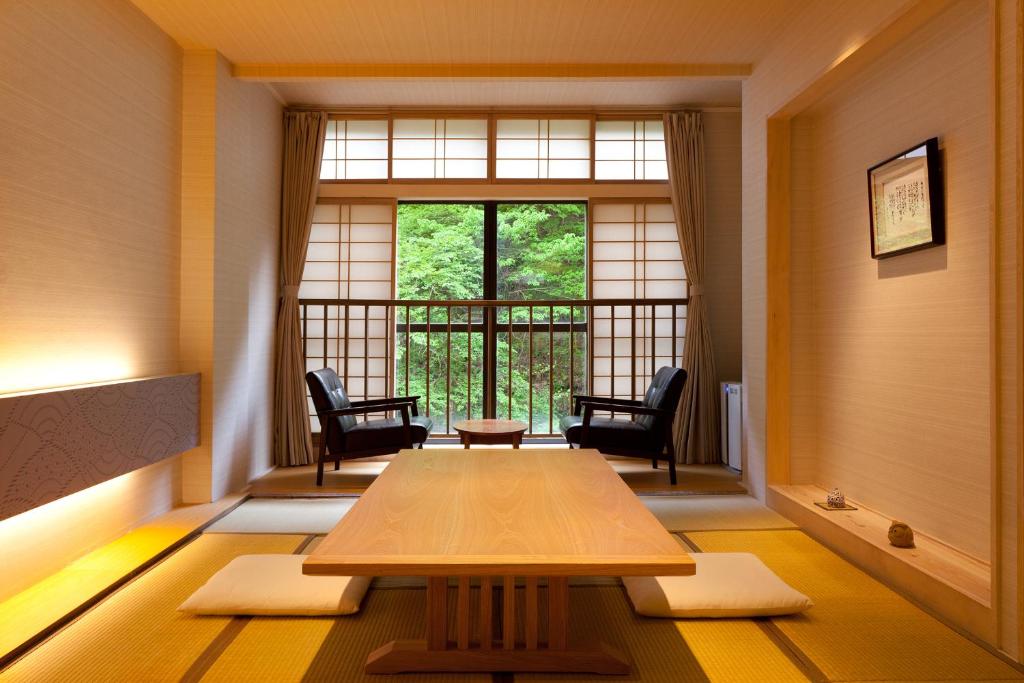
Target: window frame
[492, 116]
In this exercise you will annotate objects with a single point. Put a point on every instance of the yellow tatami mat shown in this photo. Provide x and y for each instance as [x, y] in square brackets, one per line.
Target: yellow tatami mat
[858, 630]
[136, 634]
[284, 516]
[310, 650]
[29, 612]
[692, 513]
[670, 651]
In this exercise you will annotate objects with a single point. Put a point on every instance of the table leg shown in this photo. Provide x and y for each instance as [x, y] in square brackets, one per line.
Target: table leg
[465, 440]
[516, 440]
[440, 653]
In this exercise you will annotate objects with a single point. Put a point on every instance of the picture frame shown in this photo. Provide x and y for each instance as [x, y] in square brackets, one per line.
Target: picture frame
[906, 204]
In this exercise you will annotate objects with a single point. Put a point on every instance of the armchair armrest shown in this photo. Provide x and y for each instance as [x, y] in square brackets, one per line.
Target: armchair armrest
[580, 398]
[387, 402]
[590, 406]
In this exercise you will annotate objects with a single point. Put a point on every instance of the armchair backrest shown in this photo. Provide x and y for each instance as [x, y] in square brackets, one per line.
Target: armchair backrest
[328, 394]
[663, 394]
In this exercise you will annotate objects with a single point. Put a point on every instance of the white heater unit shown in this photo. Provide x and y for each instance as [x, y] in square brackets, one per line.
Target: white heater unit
[732, 424]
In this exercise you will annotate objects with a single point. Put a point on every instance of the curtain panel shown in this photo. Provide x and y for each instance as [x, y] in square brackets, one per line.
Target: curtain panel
[300, 178]
[697, 426]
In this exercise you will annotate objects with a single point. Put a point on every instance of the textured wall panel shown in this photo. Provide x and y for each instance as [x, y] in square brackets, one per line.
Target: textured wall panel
[54, 443]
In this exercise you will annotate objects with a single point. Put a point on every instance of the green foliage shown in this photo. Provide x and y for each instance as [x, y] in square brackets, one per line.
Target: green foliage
[541, 255]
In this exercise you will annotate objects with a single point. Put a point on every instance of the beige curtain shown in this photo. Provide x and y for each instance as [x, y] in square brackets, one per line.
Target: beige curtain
[697, 424]
[300, 177]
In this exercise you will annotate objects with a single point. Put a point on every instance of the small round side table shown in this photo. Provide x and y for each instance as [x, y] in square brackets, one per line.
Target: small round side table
[490, 431]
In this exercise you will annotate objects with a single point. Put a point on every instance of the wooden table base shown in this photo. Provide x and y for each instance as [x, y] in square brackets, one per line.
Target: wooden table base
[495, 646]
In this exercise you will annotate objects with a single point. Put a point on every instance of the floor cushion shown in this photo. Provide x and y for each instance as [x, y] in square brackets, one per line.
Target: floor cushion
[275, 585]
[725, 585]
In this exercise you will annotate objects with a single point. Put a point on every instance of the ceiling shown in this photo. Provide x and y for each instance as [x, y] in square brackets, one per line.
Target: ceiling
[451, 32]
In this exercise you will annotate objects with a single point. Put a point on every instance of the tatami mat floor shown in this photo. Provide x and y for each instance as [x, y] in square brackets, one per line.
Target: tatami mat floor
[858, 630]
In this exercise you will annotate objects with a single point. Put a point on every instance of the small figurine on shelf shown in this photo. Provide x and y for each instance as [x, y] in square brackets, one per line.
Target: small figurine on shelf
[835, 499]
[901, 535]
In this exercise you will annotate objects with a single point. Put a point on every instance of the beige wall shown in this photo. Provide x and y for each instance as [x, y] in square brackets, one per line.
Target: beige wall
[249, 145]
[89, 240]
[892, 361]
[231, 161]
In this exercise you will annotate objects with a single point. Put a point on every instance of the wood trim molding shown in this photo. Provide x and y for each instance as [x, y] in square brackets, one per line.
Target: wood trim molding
[1019, 96]
[777, 372]
[995, 365]
[299, 72]
[57, 442]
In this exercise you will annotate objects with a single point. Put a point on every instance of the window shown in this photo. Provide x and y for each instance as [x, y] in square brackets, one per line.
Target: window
[634, 253]
[355, 149]
[349, 256]
[630, 150]
[543, 148]
[488, 363]
[439, 148]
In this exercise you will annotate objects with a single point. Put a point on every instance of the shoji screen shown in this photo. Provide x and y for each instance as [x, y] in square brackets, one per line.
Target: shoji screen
[355, 149]
[351, 258]
[439, 148]
[543, 148]
[630, 150]
[634, 254]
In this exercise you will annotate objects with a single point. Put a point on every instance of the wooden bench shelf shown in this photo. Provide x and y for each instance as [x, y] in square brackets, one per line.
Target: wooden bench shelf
[950, 582]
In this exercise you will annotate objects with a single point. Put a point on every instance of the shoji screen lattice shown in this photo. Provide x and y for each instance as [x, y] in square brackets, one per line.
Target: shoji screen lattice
[542, 148]
[630, 150]
[634, 253]
[439, 148]
[355, 149]
[350, 257]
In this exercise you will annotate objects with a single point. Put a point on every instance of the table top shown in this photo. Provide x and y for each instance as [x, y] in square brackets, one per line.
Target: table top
[498, 512]
[490, 426]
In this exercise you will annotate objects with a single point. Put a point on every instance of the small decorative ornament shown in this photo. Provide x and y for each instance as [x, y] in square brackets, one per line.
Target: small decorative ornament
[901, 535]
[835, 499]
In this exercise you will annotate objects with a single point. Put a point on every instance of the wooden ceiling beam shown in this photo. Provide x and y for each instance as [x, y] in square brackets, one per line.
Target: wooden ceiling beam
[301, 72]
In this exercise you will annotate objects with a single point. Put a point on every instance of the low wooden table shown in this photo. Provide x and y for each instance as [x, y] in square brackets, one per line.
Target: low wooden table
[491, 432]
[498, 515]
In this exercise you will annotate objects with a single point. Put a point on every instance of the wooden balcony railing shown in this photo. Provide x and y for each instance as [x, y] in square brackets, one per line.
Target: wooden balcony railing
[492, 358]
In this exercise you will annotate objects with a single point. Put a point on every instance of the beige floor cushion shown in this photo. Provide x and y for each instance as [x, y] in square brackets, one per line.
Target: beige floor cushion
[275, 585]
[725, 585]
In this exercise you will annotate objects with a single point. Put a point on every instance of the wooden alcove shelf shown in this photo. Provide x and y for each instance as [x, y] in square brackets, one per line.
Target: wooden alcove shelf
[952, 583]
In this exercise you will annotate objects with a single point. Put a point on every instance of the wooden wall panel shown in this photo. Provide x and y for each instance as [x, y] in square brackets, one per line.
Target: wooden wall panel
[899, 362]
[58, 442]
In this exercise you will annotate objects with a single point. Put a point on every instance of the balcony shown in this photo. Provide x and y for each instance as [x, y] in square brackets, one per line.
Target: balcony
[493, 358]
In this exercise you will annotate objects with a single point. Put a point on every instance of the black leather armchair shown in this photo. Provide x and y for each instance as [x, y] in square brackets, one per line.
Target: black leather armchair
[647, 435]
[342, 437]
